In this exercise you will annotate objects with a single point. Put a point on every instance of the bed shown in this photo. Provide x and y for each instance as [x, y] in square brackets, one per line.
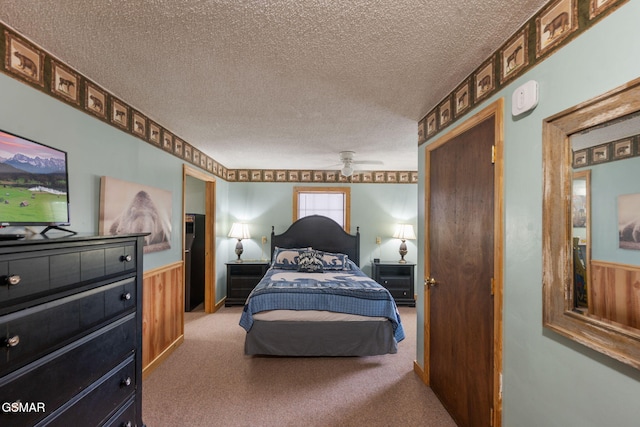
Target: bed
[315, 300]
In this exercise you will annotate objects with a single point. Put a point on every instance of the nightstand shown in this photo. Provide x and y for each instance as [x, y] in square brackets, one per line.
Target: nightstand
[398, 279]
[242, 277]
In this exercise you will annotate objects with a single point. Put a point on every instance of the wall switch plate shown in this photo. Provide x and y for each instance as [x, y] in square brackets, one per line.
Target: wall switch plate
[378, 240]
[264, 239]
[524, 98]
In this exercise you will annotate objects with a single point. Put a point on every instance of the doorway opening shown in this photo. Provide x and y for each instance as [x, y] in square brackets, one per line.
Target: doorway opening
[205, 201]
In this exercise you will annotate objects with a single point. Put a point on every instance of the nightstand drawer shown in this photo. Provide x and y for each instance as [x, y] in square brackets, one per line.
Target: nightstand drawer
[400, 294]
[398, 279]
[246, 270]
[241, 279]
[395, 281]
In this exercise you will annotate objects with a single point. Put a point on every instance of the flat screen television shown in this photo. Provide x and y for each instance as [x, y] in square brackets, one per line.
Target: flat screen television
[34, 184]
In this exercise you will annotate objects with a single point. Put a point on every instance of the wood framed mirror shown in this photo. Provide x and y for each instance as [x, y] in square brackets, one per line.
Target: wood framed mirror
[596, 145]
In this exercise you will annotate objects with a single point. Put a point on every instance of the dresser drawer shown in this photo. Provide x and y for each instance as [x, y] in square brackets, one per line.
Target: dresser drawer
[31, 333]
[120, 259]
[99, 401]
[58, 377]
[125, 417]
[41, 273]
[24, 277]
[105, 261]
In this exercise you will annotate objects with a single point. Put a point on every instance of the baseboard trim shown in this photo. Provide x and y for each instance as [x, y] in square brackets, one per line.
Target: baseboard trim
[219, 305]
[146, 371]
[419, 372]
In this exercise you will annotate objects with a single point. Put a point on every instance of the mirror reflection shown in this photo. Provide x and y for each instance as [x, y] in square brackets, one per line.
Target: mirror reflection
[606, 222]
[580, 203]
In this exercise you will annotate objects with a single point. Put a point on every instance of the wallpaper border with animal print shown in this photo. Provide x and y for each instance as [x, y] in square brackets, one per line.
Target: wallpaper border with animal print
[65, 83]
[541, 36]
[461, 98]
[619, 149]
[559, 20]
[514, 55]
[41, 75]
[23, 59]
[42, 71]
[484, 80]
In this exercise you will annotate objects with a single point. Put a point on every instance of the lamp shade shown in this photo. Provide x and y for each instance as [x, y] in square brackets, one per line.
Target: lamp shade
[404, 232]
[239, 231]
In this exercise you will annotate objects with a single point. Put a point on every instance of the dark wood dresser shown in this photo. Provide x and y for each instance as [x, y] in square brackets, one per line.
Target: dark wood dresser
[71, 331]
[398, 278]
[242, 277]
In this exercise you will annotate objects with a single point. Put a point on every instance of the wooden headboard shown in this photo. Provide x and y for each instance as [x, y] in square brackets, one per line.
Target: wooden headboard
[320, 233]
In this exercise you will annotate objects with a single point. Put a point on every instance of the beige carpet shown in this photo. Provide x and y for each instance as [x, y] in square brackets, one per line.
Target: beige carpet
[208, 381]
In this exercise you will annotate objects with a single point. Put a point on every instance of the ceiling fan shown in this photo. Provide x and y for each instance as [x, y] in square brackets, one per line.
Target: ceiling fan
[346, 157]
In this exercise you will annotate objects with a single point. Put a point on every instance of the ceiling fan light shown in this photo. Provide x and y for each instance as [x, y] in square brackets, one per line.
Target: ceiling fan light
[347, 170]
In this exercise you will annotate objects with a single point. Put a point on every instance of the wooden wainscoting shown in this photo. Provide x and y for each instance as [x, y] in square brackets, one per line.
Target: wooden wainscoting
[162, 314]
[615, 293]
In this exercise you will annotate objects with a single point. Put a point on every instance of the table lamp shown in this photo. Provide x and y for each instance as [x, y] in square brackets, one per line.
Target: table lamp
[239, 231]
[404, 232]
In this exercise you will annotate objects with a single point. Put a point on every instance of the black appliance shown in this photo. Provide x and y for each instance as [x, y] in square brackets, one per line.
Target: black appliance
[194, 261]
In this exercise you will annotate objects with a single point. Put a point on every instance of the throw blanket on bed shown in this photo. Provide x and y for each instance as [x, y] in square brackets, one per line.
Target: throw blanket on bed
[344, 291]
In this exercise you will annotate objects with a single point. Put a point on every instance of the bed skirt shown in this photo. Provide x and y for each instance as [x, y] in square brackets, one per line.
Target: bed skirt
[326, 338]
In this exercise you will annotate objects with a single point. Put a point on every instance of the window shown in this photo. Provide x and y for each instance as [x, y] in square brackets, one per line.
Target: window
[332, 202]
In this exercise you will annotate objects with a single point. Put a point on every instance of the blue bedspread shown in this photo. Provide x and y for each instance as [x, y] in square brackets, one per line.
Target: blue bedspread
[344, 291]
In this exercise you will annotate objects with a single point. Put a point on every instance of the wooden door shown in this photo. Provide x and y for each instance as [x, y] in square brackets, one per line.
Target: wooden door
[460, 252]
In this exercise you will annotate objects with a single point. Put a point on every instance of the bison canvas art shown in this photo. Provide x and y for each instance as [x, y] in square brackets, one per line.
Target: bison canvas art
[127, 208]
[629, 221]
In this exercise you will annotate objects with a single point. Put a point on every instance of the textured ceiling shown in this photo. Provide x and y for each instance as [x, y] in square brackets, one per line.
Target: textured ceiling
[280, 83]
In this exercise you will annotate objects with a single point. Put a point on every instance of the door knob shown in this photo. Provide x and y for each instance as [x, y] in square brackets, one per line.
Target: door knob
[430, 281]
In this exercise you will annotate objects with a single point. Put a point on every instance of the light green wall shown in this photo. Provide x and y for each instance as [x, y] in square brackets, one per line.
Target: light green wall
[94, 149]
[194, 195]
[375, 208]
[223, 243]
[608, 181]
[550, 380]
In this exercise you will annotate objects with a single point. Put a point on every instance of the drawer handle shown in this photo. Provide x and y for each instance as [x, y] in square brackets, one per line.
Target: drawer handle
[126, 382]
[12, 280]
[126, 258]
[126, 296]
[12, 341]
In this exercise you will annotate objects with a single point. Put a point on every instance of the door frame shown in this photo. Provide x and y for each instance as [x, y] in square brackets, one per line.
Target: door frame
[209, 240]
[496, 109]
